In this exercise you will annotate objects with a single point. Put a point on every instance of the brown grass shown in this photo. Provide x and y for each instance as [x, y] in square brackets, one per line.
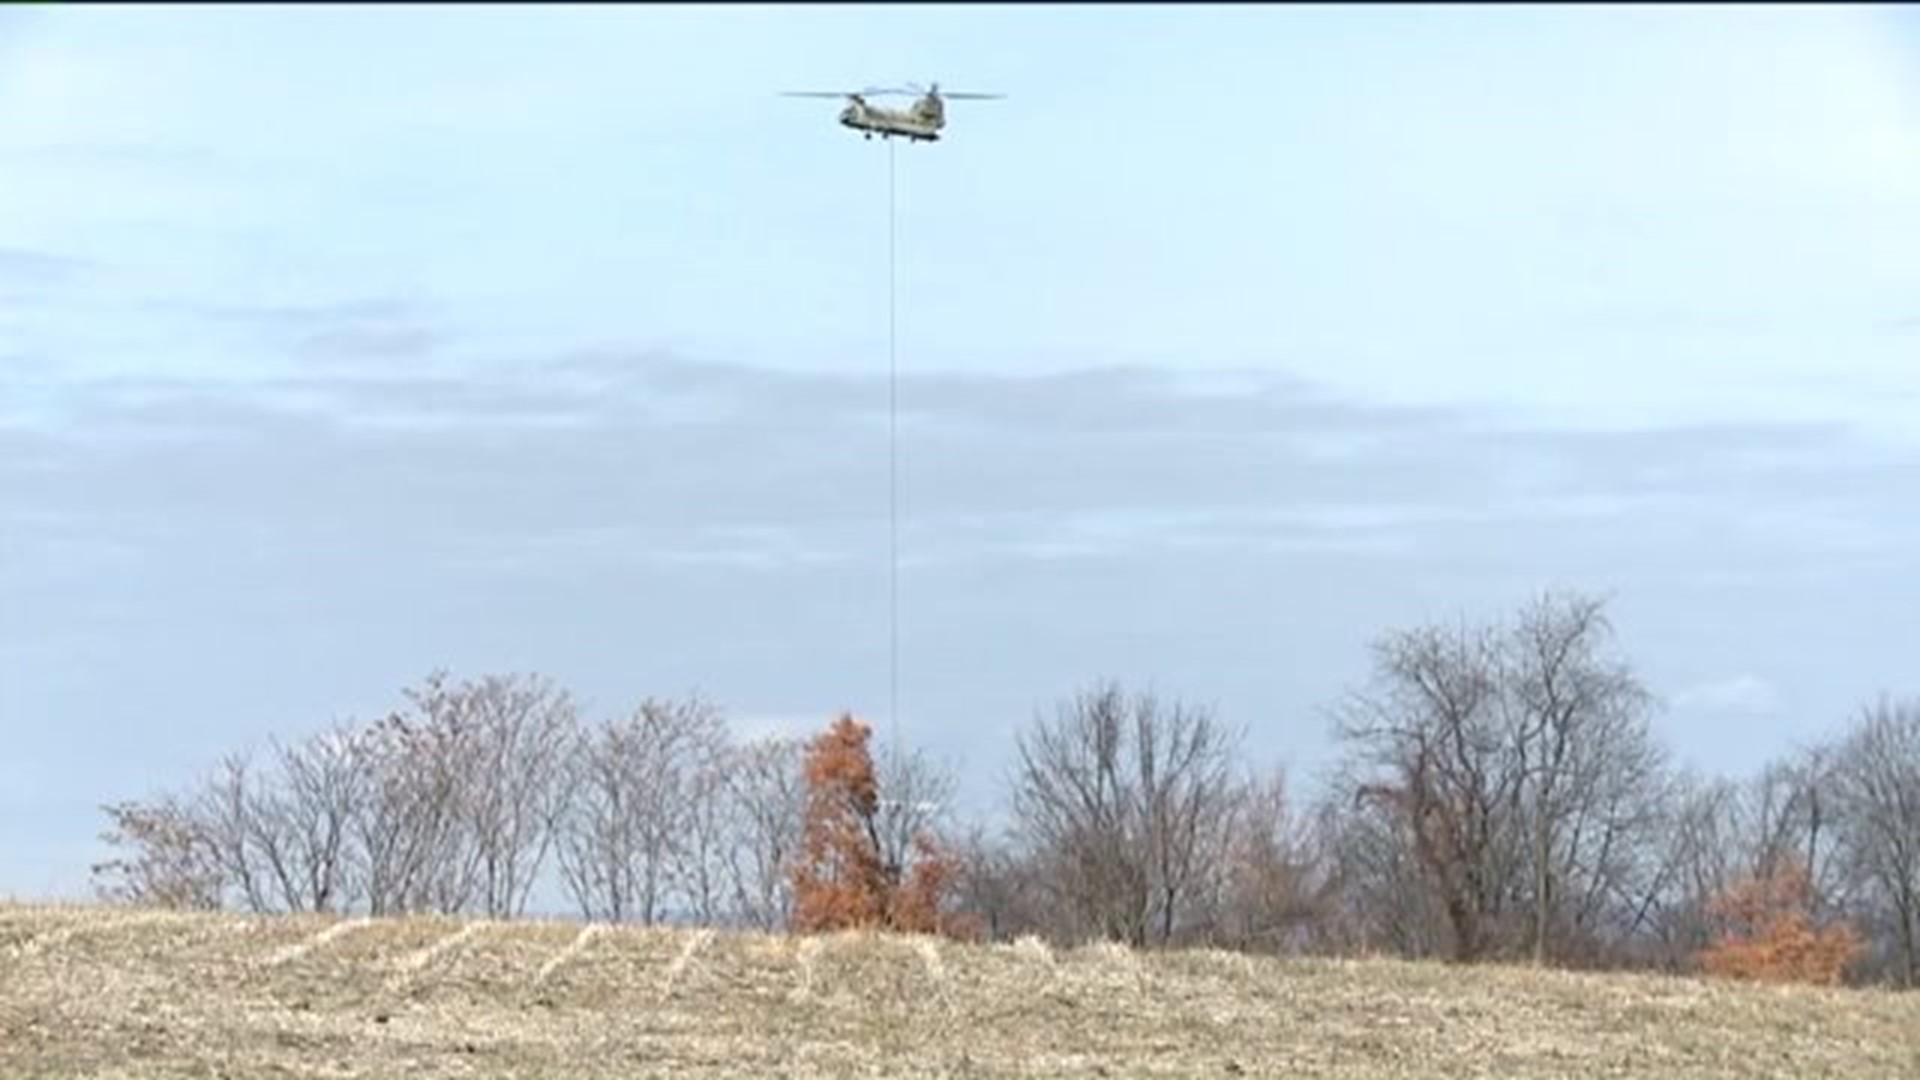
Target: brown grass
[110, 993]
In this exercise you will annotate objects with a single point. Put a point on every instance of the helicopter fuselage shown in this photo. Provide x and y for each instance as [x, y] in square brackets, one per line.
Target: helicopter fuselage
[918, 124]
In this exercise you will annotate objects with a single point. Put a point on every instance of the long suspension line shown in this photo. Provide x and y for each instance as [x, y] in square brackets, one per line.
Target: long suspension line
[893, 464]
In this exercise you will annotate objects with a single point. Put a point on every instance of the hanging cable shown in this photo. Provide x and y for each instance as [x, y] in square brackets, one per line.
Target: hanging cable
[893, 466]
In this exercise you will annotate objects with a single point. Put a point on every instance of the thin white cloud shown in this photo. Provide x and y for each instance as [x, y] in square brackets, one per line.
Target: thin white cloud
[1740, 695]
[780, 725]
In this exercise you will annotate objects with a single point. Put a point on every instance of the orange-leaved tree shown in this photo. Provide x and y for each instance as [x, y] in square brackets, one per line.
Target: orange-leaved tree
[843, 877]
[1769, 933]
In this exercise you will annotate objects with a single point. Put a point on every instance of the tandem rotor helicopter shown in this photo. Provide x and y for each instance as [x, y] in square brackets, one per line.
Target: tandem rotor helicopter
[920, 122]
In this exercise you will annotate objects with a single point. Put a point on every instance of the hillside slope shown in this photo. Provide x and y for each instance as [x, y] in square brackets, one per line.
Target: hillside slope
[113, 993]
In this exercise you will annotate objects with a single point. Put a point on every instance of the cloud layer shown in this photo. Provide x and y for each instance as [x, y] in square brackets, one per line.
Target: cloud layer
[629, 450]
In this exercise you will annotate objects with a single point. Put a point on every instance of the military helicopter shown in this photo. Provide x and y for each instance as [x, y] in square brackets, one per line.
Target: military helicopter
[920, 122]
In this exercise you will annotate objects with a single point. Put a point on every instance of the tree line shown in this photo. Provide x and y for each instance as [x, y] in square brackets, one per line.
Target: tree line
[1499, 794]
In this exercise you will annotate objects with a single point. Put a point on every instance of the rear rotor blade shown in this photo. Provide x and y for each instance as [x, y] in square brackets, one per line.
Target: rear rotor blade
[816, 93]
[959, 96]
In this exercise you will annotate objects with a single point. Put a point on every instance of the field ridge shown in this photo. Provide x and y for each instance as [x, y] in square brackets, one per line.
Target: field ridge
[109, 992]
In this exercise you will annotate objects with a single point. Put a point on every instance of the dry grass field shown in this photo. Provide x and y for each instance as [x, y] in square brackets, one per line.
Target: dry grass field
[101, 992]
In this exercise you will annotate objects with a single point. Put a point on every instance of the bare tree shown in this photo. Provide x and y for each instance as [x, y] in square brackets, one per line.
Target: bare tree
[1606, 855]
[171, 862]
[767, 797]
[1435, 737]
[279, 838]
[708, 822]
[635, 783]
[1876, 784]
[280, 833]
[1695, 860]
[324, 790]
[520, 728]
[1115, 798]
[1273, 886]
[229, 808]
[1078, 808]
[996, 887]
[1522, 770]
[916, 801]
[289, 831]
[1787, 816]
[1378, 898]
[1584, 752]
[407, 839]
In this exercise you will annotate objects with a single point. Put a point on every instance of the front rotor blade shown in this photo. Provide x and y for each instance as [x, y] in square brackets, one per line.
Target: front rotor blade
[955, 96]
[816, 93]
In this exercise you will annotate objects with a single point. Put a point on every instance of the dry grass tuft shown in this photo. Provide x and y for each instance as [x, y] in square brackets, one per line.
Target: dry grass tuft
[1033, 949]
[929, 951]
[138, 995]
[411, 965]
[320, 940]
[696, 941]
[574, 948]
[68, 923]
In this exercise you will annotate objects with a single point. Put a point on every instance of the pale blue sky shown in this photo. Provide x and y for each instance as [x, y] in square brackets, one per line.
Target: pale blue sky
[339, 343]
